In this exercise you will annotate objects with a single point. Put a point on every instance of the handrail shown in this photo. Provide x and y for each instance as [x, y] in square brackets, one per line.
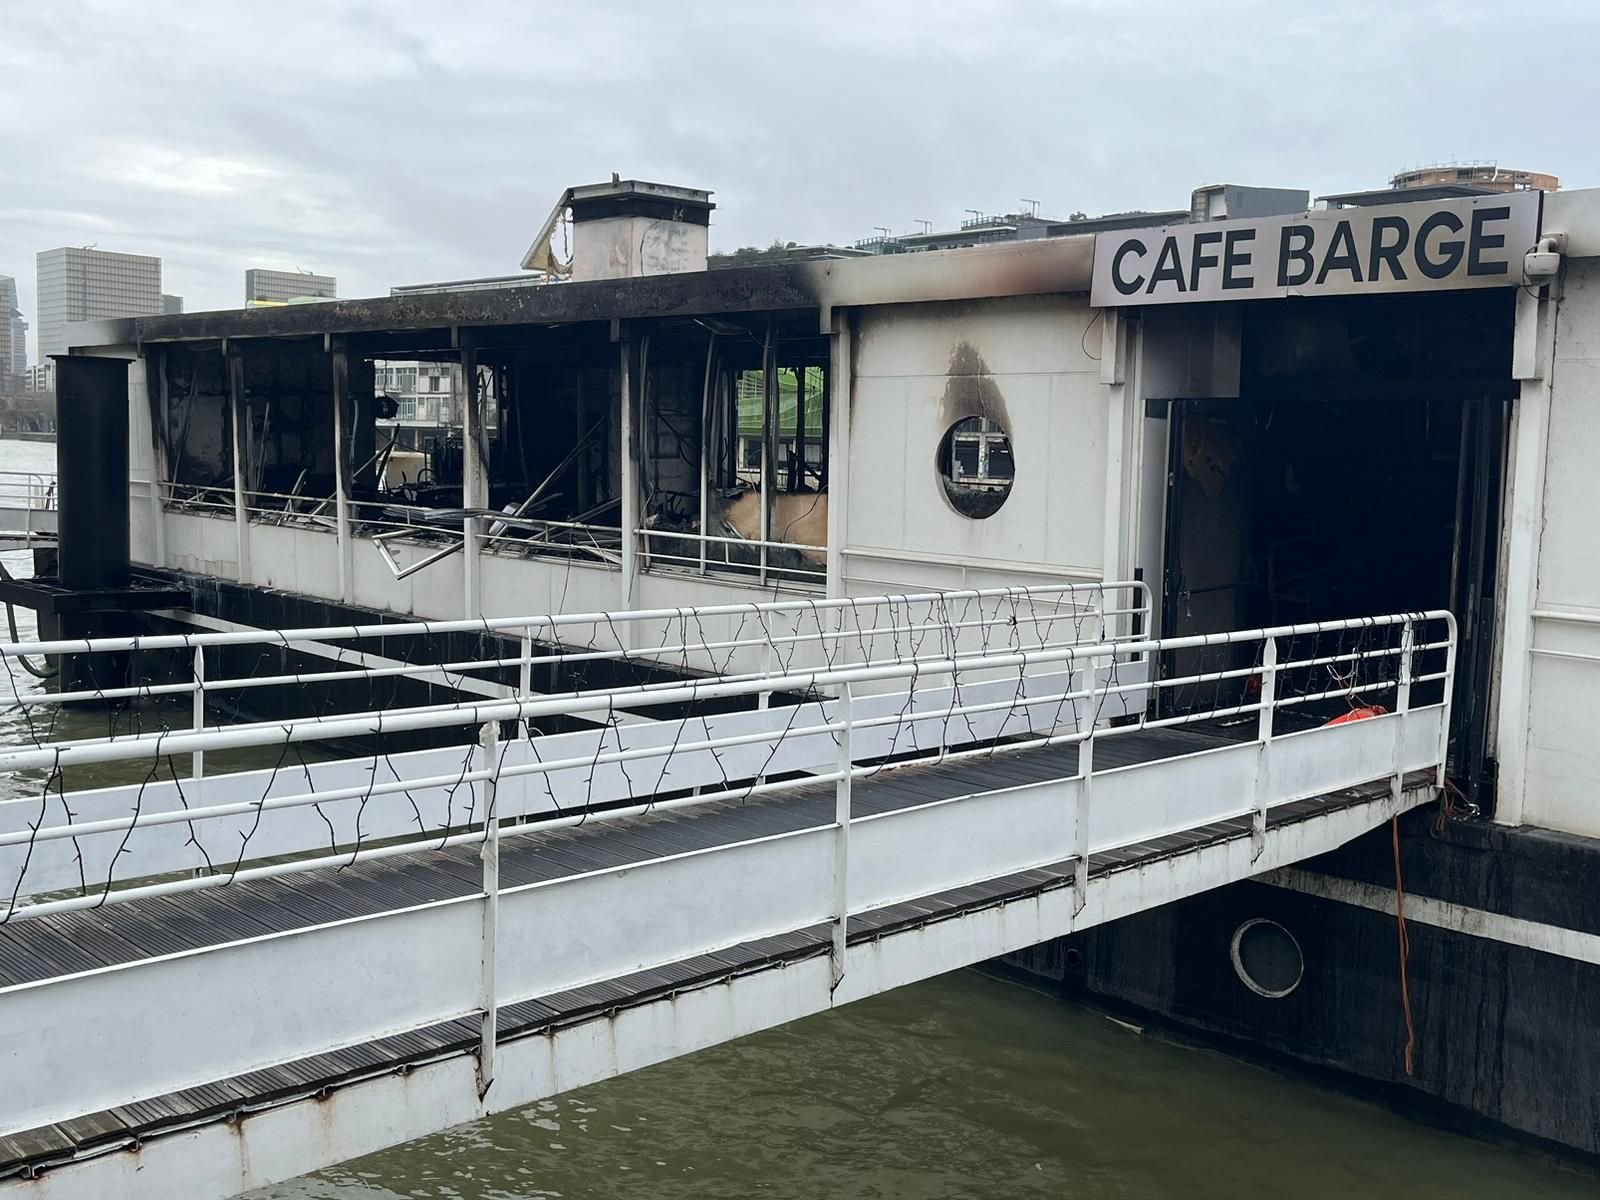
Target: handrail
[1091, 679]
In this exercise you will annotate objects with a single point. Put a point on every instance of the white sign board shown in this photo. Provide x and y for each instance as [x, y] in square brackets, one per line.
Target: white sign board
[1463, 243]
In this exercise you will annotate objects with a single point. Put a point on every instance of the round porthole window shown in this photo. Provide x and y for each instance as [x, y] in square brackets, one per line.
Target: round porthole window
[1267, 959]
[975, 466]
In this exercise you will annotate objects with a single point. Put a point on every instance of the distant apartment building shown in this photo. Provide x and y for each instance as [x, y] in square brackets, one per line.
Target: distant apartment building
[13, 335]
[1484, 175]
[84, 284]
[171, 306]
[425, 393]
[263, 286]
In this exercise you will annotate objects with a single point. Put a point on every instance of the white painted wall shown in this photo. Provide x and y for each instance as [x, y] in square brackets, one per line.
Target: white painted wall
[1561, 787]
[900, 531]
[624, 247]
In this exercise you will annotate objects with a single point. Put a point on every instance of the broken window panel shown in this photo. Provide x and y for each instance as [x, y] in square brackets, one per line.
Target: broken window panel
[766, 470]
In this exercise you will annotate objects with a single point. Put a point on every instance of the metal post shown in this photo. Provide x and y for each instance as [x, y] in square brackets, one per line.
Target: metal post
[1449, 697]
[1269, 695]
[797, 462]
[162, 467]
[769, 438]
[341, 473]
[239, 413]
[198, 768]
[473, 491]
[707, 427]
[525, 675]
[647, 421]
[1080, 812]
[630, 481]
[490, 743]
[1402, 706]
[837, 435]
[841, 844]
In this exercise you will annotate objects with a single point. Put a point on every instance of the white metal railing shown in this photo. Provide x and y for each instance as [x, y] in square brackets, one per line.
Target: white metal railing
[442, 533]
[954, 704]
[474, 954]
[33, 490]
[794, 562]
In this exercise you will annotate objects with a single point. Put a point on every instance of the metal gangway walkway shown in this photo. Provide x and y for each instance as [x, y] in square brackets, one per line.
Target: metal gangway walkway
[212, 980]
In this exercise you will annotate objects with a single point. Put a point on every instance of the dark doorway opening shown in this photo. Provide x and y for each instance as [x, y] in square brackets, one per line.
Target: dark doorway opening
[1359, 472]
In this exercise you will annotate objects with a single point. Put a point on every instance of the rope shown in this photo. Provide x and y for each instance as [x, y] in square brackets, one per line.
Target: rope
[1405, 951]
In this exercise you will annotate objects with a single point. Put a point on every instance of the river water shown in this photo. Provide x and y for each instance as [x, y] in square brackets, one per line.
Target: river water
[962, 1087]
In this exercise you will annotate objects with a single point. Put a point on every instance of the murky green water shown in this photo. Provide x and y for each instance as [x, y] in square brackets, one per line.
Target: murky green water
[957, 1088]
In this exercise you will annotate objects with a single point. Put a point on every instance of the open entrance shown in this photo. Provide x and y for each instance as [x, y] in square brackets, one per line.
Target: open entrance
[1358, 472]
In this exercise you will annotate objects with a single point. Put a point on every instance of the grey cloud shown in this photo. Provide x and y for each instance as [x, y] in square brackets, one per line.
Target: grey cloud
[403, 141]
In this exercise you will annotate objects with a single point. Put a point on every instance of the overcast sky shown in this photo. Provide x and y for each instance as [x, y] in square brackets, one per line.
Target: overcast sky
[402, 141]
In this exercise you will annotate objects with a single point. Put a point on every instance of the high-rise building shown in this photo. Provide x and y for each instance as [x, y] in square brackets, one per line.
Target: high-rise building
[13, 335]
[171, 306]
[83, 284]
[262, 286]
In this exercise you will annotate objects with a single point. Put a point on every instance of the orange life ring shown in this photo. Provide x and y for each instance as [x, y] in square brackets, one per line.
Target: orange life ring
[1358, 714]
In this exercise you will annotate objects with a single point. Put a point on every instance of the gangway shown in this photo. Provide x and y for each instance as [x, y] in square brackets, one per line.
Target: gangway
[210, 982]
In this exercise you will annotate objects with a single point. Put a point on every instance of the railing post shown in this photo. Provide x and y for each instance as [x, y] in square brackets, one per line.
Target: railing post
[1402, 706]
[1269, 696]
[525, 676]
[1080, 814]
[841, 844]
[489, 742]
[1449, 700]
[197, 769]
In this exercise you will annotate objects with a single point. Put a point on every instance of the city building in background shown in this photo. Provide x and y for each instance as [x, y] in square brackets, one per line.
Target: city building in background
[425, 393]
[13, 336]
[267, 287]
[171, 306]
[1447, 181]
[85, 284]
[1487, 176]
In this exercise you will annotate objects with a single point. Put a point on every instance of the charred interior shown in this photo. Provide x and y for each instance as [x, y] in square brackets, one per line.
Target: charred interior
[1358, 471]
[727, 417]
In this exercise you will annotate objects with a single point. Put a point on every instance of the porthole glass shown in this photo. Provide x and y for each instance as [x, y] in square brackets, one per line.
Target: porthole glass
[976, 467]
[1267, 959]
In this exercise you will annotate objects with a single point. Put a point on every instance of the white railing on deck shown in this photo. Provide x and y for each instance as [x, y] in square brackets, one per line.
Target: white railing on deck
[32, 490]
[441, 534]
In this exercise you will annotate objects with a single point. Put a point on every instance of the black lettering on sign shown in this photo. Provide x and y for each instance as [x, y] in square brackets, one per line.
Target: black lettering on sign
[1438, 268]
[1169, 267]
[1127, 286]
[1342, 255]
[1386, 251]
[1201, 259]
[1479, 241]
[1233, 257]
[1300, 254]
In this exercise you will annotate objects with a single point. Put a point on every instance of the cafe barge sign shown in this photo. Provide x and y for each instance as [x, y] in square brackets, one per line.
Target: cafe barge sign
[1478, 241]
